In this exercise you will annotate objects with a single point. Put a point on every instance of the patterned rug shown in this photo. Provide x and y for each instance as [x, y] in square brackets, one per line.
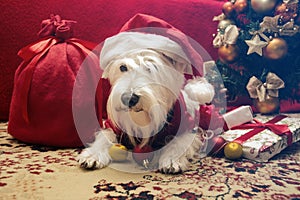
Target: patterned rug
[35, 172]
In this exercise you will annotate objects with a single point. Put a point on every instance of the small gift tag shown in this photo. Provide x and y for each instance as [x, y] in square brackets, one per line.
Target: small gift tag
[238, 116]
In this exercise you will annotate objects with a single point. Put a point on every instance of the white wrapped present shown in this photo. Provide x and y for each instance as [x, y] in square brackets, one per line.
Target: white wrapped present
[269, 136]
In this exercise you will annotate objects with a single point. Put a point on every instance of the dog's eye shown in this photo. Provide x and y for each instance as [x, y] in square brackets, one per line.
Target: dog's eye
[123, 68]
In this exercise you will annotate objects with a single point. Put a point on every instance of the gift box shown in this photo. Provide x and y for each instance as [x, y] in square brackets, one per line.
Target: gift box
[266, 136]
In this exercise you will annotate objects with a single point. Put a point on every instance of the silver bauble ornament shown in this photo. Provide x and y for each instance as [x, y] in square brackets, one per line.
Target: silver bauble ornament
[224, 23]
[263, 6]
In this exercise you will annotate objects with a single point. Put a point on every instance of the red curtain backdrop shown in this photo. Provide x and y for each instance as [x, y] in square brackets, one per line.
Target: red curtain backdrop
[96, 20]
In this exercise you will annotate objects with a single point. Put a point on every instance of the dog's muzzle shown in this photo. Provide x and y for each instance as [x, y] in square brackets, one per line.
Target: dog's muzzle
[129, 99]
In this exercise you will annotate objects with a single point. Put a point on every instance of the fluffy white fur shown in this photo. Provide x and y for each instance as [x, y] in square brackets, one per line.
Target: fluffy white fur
[154, 77]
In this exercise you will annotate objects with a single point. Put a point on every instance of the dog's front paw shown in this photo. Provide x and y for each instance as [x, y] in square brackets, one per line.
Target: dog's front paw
[168, 166]
[89, 160]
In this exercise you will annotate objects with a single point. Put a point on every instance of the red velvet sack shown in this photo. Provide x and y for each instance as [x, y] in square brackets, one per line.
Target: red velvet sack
[41, 106]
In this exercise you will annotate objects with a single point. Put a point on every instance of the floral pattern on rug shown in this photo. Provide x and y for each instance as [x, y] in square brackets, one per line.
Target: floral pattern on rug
[217, 178]
[37, 172]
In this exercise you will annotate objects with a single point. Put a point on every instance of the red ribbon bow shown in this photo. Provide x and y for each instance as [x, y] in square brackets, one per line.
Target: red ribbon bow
[278, 129]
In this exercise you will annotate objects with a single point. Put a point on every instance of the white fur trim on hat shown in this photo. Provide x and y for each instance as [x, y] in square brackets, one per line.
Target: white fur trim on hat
[128, 41]
[199, 90]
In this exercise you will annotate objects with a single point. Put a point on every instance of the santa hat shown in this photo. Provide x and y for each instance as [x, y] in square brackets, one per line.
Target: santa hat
[145, 31]
[125, 42]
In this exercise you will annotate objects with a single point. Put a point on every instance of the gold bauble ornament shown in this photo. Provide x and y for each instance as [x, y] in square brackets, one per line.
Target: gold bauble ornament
[228, 9]
[228, 53]
[276, 49]
[224, 23]
[233, 150]
[269, 106]
[240, 6]
[263, 6]
[118, 152]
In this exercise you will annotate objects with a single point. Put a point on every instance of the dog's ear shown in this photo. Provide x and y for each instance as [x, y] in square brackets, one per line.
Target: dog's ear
[106, 71]
[180, 64]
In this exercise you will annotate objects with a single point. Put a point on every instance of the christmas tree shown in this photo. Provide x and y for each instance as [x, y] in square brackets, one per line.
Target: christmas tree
[256, 37]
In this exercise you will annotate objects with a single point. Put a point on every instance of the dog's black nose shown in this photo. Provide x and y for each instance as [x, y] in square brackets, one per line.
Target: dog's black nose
[129, 99]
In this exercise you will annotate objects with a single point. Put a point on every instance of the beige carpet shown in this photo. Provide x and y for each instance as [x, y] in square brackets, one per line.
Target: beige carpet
[35, 172]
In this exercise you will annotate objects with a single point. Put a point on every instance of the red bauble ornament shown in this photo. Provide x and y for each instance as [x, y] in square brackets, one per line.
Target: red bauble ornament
[216, 145]
[286, 12]
[142, 154]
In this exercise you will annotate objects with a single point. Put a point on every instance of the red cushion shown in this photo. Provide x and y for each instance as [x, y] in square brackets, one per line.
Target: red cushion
[96, 20]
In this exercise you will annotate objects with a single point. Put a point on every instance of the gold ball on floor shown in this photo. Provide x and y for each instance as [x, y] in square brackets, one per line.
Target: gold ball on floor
[118, 152]
[233, 150]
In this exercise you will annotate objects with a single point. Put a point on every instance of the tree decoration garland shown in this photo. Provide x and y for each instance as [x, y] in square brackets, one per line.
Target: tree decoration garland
[255, 37]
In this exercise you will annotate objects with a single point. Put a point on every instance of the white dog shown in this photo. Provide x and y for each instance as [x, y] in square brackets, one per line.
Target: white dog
[147, 85]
